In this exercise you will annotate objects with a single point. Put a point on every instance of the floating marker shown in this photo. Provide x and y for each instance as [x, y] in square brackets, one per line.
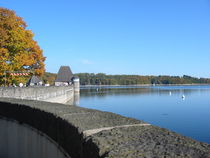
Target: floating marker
[183, 97]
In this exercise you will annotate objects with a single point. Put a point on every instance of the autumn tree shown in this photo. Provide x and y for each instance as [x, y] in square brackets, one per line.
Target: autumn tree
[18, 51]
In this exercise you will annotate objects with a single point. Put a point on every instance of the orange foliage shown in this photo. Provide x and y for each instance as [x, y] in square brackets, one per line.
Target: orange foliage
[18, 50]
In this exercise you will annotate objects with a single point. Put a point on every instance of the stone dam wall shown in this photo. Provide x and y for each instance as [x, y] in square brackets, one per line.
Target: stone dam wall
[86, 133]
[58, 94]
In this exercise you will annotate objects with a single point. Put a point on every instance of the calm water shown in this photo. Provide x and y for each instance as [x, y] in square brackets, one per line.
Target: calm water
[159, 105]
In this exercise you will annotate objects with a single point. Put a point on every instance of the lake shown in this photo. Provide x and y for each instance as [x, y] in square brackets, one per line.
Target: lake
[183, 109]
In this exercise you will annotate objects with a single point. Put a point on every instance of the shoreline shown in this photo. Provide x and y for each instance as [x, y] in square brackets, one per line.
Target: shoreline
[145, 85]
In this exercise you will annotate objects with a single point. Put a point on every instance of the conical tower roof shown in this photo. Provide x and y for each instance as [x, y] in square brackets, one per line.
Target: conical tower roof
[64, 74]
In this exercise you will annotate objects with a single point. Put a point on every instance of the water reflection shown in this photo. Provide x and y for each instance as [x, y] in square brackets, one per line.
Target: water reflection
[164, 106]
[74, 100]
[158, 90]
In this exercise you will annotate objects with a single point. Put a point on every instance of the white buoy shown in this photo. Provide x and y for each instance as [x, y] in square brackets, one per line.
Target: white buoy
[183, 97]
[170, 93]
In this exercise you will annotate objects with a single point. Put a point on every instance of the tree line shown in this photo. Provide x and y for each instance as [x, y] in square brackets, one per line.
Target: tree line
[103, 79]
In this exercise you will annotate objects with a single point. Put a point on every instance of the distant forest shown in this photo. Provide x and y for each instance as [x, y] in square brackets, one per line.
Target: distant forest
[103, 79]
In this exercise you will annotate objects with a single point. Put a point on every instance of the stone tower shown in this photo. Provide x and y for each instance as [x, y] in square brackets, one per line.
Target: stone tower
[76, 84]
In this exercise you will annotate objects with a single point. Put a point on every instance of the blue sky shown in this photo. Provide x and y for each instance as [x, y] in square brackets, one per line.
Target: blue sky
[143, 37]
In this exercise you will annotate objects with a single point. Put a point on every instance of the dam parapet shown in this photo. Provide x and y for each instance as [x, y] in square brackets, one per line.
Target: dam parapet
[57, 94]
[86, 133]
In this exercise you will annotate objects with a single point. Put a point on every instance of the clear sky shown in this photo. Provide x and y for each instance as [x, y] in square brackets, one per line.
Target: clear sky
[143, 37]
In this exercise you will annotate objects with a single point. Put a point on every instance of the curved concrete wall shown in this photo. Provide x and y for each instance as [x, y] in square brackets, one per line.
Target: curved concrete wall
[86, 133]
[22, 141]
[44, 117]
